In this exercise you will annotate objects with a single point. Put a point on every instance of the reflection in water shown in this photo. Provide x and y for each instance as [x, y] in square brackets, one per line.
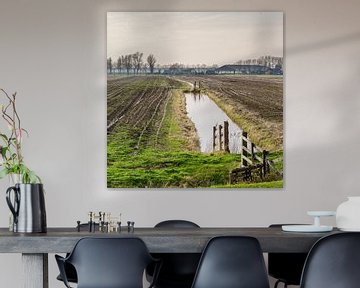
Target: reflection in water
[206, 114]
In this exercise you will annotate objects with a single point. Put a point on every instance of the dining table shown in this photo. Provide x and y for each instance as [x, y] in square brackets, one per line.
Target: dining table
[35, 247]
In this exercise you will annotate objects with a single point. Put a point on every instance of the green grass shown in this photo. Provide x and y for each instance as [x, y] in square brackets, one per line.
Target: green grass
[153, 168]
[172, 138]
[272, 184]
[168, 167]
[278, 158]
[171, 169]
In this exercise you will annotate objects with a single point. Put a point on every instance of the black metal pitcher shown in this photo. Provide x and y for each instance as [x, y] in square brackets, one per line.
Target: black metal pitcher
[28, 208]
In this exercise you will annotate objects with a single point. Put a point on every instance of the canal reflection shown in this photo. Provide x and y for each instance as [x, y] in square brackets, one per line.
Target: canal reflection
[206, 114]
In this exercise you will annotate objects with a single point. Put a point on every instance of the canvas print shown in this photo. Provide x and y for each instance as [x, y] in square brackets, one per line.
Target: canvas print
[195, 99]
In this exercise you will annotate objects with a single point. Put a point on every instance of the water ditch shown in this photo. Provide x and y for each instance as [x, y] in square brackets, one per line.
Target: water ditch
[205, 114]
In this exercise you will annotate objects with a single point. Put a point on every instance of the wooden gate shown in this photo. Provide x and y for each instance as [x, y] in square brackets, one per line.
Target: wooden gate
[254, 162]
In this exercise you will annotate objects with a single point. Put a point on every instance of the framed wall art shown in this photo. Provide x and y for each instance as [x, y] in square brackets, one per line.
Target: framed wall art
[195, 99]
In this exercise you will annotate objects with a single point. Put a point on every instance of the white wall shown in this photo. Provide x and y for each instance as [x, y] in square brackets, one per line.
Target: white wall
[53, 54]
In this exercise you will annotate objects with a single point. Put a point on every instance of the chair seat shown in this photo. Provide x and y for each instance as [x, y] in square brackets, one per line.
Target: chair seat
[177, 270]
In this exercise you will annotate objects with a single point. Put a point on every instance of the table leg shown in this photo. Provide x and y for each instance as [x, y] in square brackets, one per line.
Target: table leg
[35, 270]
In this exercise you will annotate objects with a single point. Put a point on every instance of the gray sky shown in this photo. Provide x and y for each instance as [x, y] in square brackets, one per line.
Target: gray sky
[195, 37]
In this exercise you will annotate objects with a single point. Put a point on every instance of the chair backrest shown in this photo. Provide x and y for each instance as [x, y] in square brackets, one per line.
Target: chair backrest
[110, 262]
[176, 224]
[178, 269]
[232, 262]
[333, 262]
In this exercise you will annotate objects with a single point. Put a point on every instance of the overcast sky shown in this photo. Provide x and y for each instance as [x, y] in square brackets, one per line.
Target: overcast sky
[195, 37]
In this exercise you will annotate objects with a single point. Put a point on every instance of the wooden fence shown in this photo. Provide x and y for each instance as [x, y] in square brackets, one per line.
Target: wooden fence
[221, 137]
[254, 160]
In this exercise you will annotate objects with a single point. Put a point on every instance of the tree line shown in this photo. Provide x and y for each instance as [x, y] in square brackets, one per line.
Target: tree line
[268, 61]
[135, 63]
[131, 62]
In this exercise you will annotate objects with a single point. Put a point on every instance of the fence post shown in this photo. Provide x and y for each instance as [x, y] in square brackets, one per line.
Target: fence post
[226, 137]
[253, 152]
[243, 152]
[221, 138]
[264, 162]
[214, 138]
[230, 177]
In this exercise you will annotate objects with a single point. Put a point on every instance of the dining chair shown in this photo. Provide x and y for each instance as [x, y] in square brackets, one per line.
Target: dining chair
[178, 269]
[232, 262]
[69, 269]
[108, 263]
[286, 267]
[333, 262]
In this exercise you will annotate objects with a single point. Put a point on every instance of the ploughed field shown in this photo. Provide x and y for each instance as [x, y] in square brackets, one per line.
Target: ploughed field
[152, 142]
[254, 102]
[139, 105]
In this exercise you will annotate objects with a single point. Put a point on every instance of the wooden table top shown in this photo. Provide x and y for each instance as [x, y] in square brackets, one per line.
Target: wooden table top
[158, 240]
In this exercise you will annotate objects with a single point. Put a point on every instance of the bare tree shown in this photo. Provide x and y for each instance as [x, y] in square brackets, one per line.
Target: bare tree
[119, 64]
[128, 63]
[144, 67]
[137, 59]
[109, 65]
[151, 60]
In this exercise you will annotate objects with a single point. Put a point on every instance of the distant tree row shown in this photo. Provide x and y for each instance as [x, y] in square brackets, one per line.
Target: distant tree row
[134, 63]
[268, 61]
[131, 62]
[183, 66]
